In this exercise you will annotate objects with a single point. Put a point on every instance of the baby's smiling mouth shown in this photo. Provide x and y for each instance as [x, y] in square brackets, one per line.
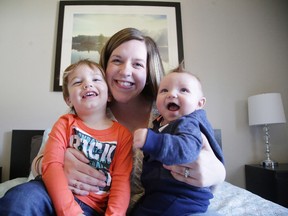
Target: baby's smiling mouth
[173, 107]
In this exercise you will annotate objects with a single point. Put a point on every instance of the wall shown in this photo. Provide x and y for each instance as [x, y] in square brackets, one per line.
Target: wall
[238, 48]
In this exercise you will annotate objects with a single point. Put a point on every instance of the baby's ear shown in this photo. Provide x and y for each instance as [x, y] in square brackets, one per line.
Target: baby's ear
[201, 102]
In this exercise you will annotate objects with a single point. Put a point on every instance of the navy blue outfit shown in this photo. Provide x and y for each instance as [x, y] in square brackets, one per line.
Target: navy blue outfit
[178, 143]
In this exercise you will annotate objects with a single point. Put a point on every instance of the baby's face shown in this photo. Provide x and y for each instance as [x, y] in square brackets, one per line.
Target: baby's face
[179, 94]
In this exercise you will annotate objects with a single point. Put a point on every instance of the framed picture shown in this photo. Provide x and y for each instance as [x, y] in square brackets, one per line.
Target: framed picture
[85, 26]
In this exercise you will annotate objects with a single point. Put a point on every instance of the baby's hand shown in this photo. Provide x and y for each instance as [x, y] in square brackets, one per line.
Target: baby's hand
[140, 137]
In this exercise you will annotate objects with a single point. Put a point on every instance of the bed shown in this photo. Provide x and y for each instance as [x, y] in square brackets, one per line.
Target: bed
[228, 199]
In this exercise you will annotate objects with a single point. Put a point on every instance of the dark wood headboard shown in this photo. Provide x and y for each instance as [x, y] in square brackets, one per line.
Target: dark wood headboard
[20, 152]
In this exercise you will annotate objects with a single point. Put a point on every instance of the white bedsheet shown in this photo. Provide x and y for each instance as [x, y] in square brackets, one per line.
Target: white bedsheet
[235, 201]
[9, 184]
[229, 200]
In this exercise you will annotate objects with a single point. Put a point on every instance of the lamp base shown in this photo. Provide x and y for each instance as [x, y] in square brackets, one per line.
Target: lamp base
[269, 163]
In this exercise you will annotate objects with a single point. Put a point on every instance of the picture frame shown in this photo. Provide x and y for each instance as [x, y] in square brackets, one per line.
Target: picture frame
[85, 26]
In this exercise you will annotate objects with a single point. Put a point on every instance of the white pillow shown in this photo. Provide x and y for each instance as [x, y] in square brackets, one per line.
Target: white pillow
[44, 140]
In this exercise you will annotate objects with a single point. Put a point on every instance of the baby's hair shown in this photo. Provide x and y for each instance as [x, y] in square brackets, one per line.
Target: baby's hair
[71, 68]
[181, 69]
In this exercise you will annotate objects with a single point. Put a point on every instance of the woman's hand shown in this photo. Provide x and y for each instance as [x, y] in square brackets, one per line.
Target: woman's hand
[82, 178]
[205, 172]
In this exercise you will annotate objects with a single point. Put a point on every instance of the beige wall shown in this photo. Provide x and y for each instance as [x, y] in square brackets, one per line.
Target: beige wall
[237, 47]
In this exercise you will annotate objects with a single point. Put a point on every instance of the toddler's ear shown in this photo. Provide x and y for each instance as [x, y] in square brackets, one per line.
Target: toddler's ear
[68, 102]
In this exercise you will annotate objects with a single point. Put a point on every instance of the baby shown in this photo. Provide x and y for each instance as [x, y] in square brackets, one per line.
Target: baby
[174, 139]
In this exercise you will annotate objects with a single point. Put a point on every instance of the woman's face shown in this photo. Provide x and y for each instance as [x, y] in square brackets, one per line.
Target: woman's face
[126, 70]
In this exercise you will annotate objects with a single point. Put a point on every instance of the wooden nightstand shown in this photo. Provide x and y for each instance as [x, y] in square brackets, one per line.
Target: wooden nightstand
[271, 184]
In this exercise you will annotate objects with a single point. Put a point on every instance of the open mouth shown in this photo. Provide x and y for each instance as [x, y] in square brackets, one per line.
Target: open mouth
[89, 94]
[173, 107]
[125, 83]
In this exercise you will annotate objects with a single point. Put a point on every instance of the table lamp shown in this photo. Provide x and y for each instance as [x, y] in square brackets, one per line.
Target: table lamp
[266, 109]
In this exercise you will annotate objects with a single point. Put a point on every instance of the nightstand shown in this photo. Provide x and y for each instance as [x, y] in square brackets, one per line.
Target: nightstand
[271, 184]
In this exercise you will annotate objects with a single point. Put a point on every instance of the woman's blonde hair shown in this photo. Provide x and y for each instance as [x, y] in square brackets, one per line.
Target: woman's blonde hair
[155, 70]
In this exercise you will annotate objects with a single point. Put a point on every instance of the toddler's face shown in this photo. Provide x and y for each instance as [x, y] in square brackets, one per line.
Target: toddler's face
[87, 88]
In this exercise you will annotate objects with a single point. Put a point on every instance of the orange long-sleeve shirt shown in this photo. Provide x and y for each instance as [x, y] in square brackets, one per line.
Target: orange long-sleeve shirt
[109, 150]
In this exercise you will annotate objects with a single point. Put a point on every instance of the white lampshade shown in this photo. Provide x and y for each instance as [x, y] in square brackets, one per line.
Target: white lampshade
[265, 109]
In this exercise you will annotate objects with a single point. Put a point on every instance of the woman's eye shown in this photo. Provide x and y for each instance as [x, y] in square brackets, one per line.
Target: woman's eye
[115, 61]
[139, 65]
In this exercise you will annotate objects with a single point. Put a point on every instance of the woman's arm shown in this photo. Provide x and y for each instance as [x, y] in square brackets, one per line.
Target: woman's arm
[82, 178]
[37, 164]
[207, 171]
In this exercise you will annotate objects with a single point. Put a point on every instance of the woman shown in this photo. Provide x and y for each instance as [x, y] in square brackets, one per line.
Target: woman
[133, 70]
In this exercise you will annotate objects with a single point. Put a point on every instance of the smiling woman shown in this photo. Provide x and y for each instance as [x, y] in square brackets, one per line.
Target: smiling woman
[124, 61]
